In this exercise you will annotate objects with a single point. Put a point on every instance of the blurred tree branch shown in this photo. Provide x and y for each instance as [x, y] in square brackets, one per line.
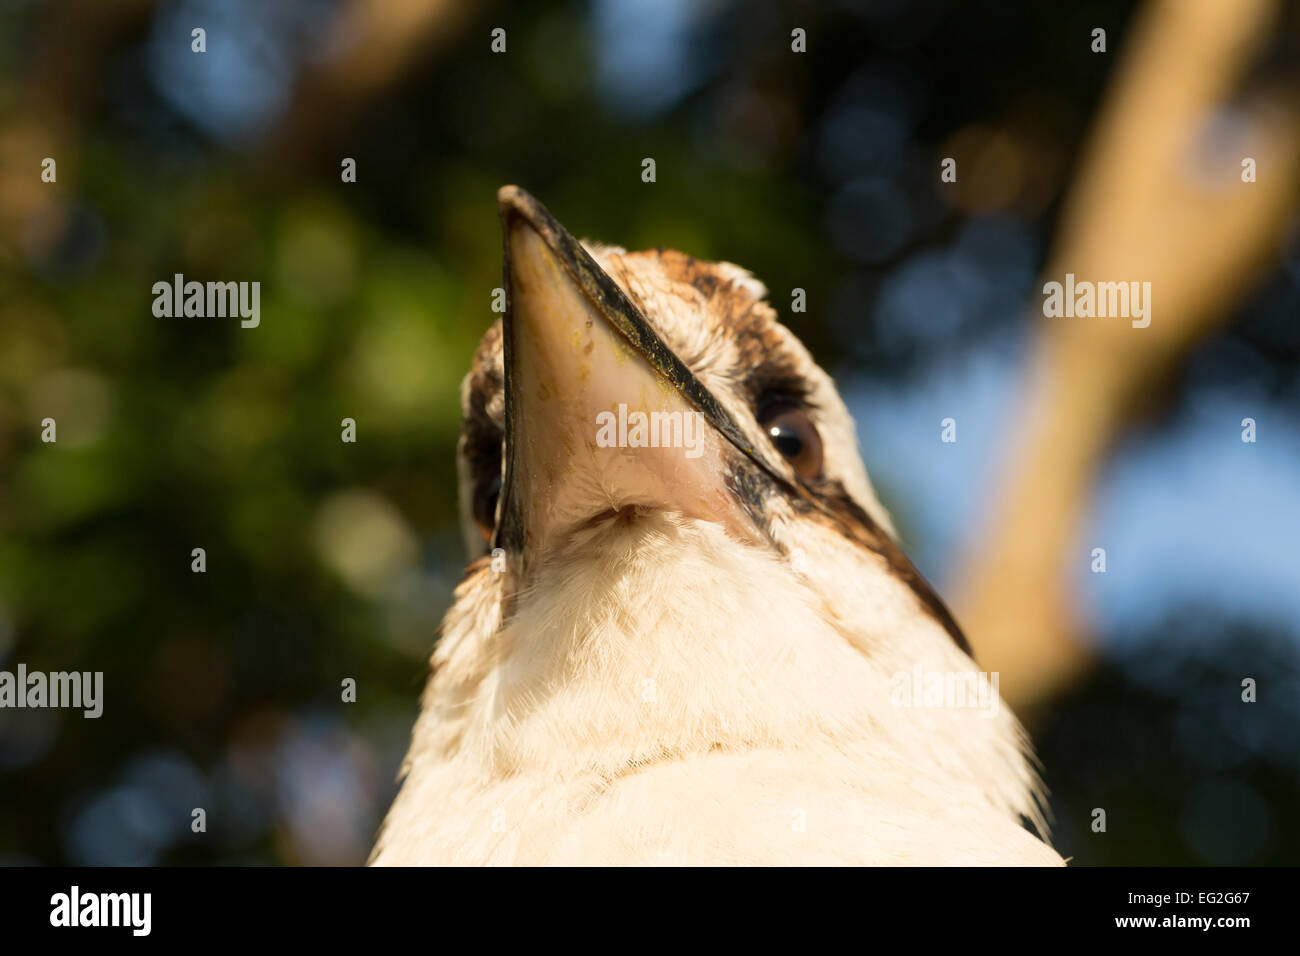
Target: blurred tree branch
[368, 48]
[1159, 198]
[63, 81]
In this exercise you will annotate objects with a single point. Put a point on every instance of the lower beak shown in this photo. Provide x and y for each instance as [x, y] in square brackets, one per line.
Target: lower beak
[602, 418]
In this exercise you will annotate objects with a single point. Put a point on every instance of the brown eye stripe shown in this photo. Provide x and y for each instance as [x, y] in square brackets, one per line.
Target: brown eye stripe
[480, 434]
[845, 515]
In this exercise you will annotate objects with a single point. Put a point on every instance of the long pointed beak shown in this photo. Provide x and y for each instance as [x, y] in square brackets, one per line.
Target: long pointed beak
[602, 418]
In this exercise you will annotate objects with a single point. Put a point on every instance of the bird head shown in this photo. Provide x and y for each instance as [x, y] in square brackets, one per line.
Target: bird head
[624, 386]
[679, 558]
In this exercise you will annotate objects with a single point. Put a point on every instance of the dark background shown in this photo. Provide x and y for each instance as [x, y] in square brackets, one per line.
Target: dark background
[328, 560]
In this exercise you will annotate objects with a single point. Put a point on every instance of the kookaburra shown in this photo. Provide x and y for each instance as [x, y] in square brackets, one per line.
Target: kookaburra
[684, 647]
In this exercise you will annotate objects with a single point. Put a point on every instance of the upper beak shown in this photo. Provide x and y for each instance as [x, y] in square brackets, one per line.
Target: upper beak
[580, 361]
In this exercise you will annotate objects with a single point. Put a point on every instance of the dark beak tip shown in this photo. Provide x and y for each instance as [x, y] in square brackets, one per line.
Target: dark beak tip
[515, 204]
[510, 196]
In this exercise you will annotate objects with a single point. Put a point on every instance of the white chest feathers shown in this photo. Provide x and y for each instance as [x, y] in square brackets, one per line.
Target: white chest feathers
[664, 694]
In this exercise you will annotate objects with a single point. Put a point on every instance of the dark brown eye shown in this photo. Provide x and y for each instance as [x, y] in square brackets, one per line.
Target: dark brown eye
[485, 505]
[793, 434]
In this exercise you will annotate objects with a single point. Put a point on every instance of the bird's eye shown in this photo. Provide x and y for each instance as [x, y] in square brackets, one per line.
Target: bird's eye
[793, 434]
[485, 505]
